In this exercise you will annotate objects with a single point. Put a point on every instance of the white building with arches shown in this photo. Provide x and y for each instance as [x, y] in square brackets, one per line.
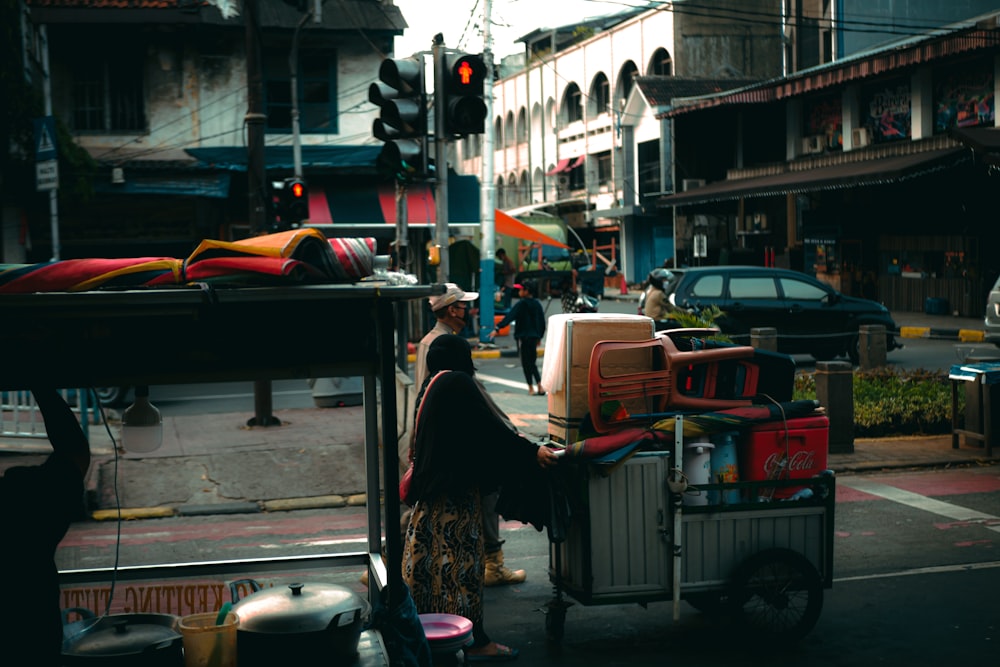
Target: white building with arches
[574, 136]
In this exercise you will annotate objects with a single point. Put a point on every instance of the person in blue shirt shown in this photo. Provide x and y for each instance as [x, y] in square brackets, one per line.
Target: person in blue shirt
[529, 327]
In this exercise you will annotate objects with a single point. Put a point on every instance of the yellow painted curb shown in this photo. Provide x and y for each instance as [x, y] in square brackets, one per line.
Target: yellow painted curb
[134, 513]
[971, 335]
[316, 502]
[914, 332]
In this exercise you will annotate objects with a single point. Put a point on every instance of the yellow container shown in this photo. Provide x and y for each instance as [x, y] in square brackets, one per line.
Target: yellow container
[207, 644]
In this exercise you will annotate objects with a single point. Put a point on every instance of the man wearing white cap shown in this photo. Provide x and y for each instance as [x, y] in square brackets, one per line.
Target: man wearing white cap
[451, 309]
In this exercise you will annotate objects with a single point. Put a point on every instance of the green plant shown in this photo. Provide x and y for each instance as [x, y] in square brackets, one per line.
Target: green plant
[889, 401]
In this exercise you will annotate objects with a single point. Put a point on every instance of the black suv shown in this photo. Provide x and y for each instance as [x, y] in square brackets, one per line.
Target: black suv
[810, 316]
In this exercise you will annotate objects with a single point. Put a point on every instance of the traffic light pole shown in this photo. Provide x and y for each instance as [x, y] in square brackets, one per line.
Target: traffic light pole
[257, 214]
[441, 162]
[488, 196]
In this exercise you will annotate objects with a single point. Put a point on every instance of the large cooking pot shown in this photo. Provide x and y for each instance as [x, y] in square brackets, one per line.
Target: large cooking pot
[300, 619]
[123, 640]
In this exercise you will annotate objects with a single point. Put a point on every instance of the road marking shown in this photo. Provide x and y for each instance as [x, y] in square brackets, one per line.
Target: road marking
[498, 380]
[917, 501]
[936, 569]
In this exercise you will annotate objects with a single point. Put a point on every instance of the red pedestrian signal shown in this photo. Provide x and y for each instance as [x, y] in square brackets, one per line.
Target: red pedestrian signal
[463, 106]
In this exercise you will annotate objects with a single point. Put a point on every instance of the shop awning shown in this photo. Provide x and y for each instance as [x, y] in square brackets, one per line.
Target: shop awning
[560, 167]
[366, 204]
[511, 226]
[837, 177]
[343, 158]
[566, 165]
[190, 184]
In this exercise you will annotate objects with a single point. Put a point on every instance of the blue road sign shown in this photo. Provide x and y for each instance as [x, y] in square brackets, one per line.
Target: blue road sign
[45, 138]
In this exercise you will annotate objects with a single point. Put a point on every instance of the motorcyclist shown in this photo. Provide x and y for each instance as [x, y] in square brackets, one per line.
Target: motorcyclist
[655, 304]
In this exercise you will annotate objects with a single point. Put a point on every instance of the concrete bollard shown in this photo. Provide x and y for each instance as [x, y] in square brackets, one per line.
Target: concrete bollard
[835, 392]
[764, 338]
[871, 346]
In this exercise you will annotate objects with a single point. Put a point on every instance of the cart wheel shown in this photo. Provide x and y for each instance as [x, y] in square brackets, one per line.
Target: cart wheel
[777, 594]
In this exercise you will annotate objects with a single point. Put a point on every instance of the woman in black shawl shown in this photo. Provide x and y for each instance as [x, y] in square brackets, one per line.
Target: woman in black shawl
[462, 451]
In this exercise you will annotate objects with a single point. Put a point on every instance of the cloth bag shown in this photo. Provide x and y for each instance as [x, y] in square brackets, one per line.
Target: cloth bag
[405, 480]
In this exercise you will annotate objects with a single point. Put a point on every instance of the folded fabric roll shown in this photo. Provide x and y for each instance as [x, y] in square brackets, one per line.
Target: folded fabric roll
[78, 275]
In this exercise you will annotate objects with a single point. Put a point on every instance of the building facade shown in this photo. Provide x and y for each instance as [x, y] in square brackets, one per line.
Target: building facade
[152, 101]
[873, 173]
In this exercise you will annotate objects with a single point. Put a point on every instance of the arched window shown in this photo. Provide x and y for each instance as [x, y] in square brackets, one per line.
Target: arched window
[537, 122]
[512, 193]
[572, 104]
[508, 130]
[501, 203]
[537, 184]
[522, 126]
[523, 192]
[626, 79]
[661, 64]
[498, 132]
[600, 95]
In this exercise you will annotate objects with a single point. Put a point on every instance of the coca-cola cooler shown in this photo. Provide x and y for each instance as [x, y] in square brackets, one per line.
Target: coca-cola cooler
[766, 453]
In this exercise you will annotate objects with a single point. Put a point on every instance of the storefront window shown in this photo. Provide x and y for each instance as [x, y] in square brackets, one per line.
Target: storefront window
[963, 98]
[824, 118]
[885, 111]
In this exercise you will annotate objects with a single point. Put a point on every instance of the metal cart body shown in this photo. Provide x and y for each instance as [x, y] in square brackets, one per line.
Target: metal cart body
[624, 543]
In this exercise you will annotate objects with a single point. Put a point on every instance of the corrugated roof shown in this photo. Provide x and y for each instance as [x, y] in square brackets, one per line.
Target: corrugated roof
[968, 36]
[660, 91]
[852, 174]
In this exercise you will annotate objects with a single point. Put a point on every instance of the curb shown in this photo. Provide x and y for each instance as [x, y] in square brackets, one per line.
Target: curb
[961, 335]
[241, 507]
[360, 499]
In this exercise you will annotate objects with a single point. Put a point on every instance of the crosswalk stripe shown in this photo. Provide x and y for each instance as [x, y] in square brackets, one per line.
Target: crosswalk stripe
[917, 501]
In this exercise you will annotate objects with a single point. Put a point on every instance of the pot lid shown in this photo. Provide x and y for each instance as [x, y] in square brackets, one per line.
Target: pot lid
[124, 634]
[298, 608]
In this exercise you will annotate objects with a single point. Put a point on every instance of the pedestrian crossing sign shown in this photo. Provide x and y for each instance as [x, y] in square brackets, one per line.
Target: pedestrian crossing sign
[45, 138]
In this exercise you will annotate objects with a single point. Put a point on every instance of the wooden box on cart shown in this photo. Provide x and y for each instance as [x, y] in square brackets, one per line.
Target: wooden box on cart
[566, 366]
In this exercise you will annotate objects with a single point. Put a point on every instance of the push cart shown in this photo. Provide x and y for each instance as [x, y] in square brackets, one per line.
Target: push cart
[630, 538]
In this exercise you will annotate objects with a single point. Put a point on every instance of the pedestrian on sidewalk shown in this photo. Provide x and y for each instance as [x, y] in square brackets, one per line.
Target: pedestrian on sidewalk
[37, 504]
[462, 450]
[449, 309]
[528, 317]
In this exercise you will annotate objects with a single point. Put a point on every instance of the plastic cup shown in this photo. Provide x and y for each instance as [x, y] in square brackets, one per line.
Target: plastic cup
[207, 644]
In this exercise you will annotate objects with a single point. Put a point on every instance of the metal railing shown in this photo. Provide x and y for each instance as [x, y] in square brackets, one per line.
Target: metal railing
[21, 422]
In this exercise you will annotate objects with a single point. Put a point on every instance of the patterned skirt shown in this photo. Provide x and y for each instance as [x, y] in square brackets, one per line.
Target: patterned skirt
[443, 556]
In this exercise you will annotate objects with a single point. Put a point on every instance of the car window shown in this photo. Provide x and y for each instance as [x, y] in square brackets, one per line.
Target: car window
[801, 290]
[707, 286]
[752, 288]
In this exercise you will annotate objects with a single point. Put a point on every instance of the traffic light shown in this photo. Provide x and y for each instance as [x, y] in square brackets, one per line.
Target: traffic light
[463, 106]
[402, 122]
[295, 202]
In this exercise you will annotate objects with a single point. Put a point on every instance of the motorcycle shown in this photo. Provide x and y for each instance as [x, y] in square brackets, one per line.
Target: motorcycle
[585, 303]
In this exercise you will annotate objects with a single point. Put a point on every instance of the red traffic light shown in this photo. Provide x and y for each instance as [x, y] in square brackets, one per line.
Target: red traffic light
[298, 190]
[468, 73]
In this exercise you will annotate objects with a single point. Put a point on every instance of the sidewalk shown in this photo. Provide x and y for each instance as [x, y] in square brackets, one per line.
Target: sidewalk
[215, 463]
[212, 464]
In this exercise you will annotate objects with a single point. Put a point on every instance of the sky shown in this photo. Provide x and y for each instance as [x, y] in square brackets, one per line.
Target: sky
[511, 19]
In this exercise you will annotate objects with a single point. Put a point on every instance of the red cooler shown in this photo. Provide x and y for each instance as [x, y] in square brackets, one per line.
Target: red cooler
[763, 449]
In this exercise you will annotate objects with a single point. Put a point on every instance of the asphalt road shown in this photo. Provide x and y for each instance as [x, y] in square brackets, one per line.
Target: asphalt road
[915, 565]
